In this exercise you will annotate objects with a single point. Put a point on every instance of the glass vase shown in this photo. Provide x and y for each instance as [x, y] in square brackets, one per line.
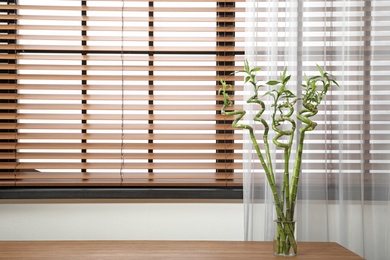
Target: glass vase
[285, 238]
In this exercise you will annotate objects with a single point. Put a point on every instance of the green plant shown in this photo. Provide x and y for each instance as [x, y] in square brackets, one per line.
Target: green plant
[284, 125]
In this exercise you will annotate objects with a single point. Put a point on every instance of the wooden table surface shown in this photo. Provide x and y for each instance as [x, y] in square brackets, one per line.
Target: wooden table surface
[165, 250]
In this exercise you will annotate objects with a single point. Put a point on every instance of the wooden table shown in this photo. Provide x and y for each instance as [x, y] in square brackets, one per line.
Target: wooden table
[165, 250]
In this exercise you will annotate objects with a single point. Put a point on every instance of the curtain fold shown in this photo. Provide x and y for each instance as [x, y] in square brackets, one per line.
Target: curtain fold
[344, 186]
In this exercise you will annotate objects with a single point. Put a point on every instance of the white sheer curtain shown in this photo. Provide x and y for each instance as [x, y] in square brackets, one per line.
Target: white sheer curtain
[344, 187]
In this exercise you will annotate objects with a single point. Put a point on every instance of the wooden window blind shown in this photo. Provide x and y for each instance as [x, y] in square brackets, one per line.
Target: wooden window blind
[118, 93]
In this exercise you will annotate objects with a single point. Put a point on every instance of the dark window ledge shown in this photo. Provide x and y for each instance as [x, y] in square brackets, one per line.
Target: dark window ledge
[121, 193]
[310, 193]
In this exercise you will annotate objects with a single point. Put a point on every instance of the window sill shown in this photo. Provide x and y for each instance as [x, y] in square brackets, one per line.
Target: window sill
[121, 193]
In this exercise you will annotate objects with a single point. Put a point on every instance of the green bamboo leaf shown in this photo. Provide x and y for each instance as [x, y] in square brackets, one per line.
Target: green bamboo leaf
[288, 93]
[283, 76]
[320, 70]
[270, 94]
[246, 66]
[315, 78]
[335, 82]
[306, 77]
[247, 78]
[285, 80]
[272, 82]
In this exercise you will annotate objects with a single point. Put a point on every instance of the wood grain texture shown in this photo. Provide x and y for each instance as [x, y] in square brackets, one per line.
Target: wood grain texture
[165, 250]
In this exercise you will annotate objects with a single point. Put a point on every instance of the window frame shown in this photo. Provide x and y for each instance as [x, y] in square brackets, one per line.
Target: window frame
[379, 193]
